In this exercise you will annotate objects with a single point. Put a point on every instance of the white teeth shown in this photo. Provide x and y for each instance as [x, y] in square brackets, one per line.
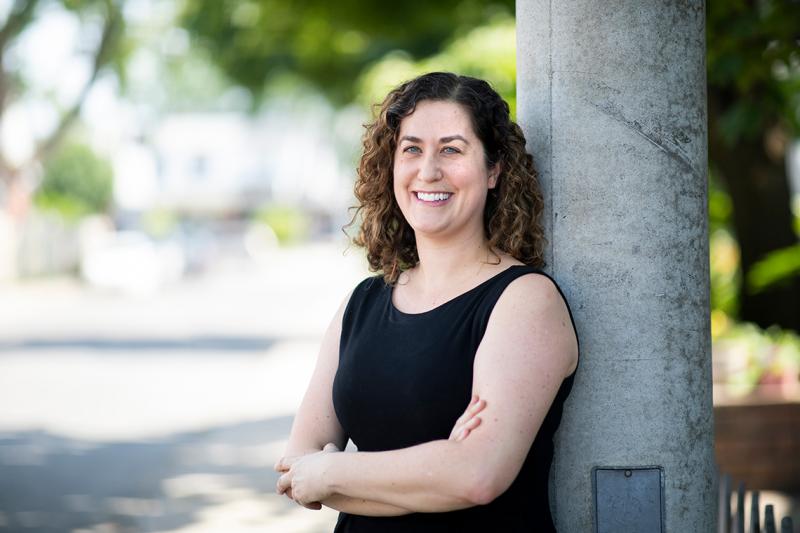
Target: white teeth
[432, 196]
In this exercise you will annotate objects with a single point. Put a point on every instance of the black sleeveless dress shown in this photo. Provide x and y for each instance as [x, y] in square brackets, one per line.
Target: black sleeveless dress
[404, 379]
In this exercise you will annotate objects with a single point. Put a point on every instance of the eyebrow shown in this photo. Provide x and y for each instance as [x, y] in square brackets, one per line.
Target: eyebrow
[443, 140]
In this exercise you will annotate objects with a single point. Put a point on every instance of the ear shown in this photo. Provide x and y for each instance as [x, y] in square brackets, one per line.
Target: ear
[494, 174]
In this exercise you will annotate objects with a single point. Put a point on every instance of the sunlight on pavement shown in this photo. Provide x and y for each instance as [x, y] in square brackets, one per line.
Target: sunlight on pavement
[178, 404]
[99, 397]
[258, 514]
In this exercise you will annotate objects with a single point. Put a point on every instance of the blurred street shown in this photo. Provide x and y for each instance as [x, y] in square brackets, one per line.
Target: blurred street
[162, 412]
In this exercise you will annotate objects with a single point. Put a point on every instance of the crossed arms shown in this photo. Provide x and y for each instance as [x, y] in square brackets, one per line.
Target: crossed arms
[528, 348]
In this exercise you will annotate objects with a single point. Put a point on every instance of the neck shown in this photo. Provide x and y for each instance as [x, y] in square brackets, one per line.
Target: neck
[442, 263]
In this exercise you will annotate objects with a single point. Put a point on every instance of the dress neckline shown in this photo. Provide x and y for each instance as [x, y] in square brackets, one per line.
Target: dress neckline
[451, 300]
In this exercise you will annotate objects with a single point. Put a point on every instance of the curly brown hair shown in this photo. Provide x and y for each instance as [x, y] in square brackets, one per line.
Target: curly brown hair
[513, 208]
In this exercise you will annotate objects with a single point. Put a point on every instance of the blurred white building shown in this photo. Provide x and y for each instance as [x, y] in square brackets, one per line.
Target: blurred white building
[229, 162]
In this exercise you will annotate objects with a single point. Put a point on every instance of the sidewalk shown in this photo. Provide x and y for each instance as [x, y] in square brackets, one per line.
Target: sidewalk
[162, 413]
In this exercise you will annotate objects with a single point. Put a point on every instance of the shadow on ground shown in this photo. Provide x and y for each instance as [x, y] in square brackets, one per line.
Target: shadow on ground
[52, 484]
[158, 347]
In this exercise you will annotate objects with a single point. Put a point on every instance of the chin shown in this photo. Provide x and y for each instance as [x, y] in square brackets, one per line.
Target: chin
[431, 230]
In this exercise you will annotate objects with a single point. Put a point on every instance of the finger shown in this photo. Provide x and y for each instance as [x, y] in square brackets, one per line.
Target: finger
[468, 415]
[330, 447]
[467, 428]
[284, 483]
[314, 506]
[287, 462]
[464, 433]
[456, 431]
[477, 407]
[472, 423]
[472, 402]
[471, 410]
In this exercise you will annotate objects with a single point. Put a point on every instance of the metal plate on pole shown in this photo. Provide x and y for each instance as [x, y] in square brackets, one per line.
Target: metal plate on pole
[629, 499]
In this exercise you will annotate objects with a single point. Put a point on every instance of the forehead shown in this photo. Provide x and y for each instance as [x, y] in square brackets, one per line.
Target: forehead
[435, 118]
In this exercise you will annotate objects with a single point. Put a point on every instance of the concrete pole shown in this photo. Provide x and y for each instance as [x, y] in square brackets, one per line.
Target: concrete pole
[612, 97]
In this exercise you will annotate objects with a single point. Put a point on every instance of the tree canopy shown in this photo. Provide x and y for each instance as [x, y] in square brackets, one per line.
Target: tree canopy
[354, 49]
[105, 48]
[753, 64]
[326, 43]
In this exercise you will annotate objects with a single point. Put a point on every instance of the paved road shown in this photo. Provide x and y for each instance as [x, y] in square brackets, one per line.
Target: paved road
[163, 412]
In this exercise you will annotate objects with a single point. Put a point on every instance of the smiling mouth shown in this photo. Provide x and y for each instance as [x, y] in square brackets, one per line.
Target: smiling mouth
[432, 197]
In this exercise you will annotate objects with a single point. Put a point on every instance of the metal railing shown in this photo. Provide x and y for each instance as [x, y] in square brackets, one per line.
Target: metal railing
[734, 523]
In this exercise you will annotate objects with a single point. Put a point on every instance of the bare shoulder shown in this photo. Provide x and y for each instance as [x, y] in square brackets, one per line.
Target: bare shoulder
[534, 289]
[533, 306]
[343, 306]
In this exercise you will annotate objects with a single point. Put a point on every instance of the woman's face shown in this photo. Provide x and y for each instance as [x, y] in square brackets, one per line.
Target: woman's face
[440, 174]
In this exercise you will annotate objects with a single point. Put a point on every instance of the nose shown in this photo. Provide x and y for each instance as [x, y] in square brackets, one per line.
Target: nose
[430, 170]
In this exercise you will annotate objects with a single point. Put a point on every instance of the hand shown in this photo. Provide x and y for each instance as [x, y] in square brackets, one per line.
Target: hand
[303, 478]
[314, 506]
[282, 468]
[468, 420]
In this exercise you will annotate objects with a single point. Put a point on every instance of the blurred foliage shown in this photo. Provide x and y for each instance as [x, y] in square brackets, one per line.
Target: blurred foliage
[103, 41]
[103, 24]
[777, 268]
[289, 223]
[753, 62]
[753, 53]
[76, 182]
[487, 52]
[720, 207]
[724, 256]
[725, 271]
[160, 223]
[116, 47]
[751, 356]
[327, 43]
[174, 76]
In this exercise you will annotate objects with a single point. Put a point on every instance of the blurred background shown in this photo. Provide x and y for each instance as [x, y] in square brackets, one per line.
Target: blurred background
[174, 177]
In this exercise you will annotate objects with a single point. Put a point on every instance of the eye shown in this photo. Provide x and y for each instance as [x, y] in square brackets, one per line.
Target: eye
[451, 150]
[413, 149]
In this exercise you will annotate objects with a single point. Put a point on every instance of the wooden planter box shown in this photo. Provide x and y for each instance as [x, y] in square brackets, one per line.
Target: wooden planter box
[759, 442]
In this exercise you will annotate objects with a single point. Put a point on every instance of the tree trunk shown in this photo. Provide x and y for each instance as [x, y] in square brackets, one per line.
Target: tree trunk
[762, 217]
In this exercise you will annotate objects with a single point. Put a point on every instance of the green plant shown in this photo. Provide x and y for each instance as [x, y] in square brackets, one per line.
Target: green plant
[76, 182]
[747, 356]
[289, 223]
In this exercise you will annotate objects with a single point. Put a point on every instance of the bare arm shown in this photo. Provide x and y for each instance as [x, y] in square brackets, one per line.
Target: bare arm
[316, 423]
[363, 507]
[528, 349]
[466, 423]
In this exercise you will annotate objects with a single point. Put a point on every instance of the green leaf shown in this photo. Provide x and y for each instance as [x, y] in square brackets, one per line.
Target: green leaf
[777, 267]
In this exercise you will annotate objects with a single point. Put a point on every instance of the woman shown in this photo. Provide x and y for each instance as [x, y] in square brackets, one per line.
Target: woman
[460, 322]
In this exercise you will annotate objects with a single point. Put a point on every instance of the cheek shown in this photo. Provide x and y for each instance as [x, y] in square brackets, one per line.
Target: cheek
[399, 178]
[467, 175]
[396, 185]
[398, 192]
